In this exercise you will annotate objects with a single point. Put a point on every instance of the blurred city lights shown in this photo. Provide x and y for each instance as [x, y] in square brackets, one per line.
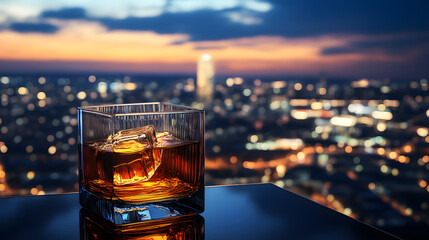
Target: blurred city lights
[422, 132]
[238, 81]
[102, 87]
[363, 83]
[4, 80]
[3, 149]
[316, 105]
[382, 115]
[233, 159]
[92, 78]
[393, 155]
[384, 169]
[67, 89]
[257, 130]
[30, 175]
[297, 86]
[52, 149]
[41, 95]
[408, 148]
[41, 80]
[381, 126]
[322, 91]
[278, 84]
[343, 121]
[29, 149]
[22, 91]
[247, 92]
[254, 138]
[34, 191]
[81, 95]
[299, 114]
[422, 183]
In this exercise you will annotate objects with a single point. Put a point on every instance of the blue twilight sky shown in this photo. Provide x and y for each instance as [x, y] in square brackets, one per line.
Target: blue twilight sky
[343, 38]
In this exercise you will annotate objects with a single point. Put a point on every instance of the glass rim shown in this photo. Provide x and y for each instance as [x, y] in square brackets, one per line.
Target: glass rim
[186, 109]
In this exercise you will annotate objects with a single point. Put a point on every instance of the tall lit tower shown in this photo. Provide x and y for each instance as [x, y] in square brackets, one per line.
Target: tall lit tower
[205, 79]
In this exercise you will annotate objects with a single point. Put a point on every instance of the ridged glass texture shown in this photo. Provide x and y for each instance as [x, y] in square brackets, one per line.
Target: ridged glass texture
[140, 162]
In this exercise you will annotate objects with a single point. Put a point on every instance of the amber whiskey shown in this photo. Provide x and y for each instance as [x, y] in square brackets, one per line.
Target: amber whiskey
[137, 168]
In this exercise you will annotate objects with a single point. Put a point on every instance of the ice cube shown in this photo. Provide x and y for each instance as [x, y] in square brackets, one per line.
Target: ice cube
[166, 139]
[136, 158]
[143, 137]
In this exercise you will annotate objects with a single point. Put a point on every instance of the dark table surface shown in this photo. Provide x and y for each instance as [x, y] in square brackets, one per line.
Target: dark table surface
[258, 211]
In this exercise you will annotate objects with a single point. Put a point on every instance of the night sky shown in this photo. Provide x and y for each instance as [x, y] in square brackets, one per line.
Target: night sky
[301, 38]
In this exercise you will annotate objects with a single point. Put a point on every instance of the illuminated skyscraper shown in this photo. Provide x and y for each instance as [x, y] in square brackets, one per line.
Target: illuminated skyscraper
[205, 78]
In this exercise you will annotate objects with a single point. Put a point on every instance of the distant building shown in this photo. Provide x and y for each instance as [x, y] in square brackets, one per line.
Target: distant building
[205, 79]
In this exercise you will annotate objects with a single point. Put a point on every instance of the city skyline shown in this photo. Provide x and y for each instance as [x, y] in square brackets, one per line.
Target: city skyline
[364, 39]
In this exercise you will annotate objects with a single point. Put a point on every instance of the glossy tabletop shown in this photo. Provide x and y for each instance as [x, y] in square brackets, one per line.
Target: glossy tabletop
[258, 211]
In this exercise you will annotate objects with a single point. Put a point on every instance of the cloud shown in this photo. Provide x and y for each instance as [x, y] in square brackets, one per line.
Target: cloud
[309, 18]
[23, 27]
[338, 50]
[287, 19]
[65, 13]
[391, 45]
[208, 47]
[200, 25]
[235, 19]
[291, 19]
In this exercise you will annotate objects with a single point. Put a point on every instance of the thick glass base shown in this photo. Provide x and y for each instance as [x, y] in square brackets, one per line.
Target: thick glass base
[119, 212]
[179, 228]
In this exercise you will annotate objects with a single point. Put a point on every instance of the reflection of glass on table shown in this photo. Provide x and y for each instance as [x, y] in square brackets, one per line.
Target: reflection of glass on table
[141, 162]
[189, 227]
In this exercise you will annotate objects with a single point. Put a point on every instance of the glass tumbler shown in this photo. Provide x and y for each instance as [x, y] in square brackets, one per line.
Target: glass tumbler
[140, 162]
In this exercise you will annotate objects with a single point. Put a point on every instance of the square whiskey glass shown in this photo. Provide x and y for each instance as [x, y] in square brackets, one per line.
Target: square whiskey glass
[140, 162]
